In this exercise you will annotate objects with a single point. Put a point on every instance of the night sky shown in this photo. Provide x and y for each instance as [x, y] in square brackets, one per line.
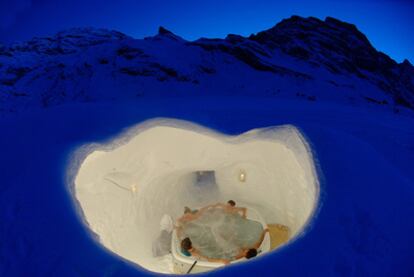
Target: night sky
[389, 24]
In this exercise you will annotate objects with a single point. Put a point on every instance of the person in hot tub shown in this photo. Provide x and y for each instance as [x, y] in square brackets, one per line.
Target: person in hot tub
[188, 250]
[249, 253]
[190, 215]
[230, 207]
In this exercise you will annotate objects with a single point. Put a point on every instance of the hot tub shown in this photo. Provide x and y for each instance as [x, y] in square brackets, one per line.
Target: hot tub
[182, 264]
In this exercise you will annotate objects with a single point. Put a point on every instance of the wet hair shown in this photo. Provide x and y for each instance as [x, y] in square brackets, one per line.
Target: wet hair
[231, 203]
[252, 252]
[186, 244]
[187, 210]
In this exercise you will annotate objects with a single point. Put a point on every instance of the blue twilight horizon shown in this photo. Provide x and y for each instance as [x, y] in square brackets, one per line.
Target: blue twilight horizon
[388, 24]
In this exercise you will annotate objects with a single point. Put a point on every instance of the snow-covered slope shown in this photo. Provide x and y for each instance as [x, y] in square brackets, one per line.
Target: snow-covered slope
[302, 58]
[363, 227]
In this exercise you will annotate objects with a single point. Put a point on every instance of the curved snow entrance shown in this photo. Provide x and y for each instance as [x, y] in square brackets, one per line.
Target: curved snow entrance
[124, 190]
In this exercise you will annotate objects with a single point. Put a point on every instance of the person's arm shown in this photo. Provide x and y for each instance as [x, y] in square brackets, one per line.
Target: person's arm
[219, 205]
[202, 210]
[184, 218]
[179, 230]
[243, 211]
[193, 216]
[189, 216]
[241, 254]
[224, 261]
[197, 254]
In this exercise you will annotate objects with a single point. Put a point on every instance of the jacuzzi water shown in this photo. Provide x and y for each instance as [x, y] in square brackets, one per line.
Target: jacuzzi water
[222, 235]
[125, 187]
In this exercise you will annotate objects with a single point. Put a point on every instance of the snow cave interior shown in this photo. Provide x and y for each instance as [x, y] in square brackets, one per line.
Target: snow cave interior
[124, 188]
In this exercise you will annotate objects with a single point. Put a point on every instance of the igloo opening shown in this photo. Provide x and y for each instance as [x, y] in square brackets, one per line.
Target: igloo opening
[125, 188]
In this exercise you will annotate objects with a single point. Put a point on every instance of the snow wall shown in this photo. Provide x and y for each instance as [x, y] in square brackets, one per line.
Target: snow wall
[123, 188]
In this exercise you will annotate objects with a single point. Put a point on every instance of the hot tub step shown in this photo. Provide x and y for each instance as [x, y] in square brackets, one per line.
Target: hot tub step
[279, 235]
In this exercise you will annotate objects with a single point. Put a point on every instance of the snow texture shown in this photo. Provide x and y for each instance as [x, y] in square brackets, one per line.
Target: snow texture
[125, 192]
[81, 87]
[303, 58]
[362, 225]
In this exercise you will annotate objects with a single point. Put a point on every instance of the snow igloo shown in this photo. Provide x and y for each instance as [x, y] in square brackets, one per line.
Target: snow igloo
[124, 188]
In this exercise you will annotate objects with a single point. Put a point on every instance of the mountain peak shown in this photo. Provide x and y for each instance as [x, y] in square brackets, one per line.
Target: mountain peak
[338, 45]
[406, 63]
[165, 33]
[326, 55]
[341, 24]
[311, 28]
[68, 41]
[78, 32]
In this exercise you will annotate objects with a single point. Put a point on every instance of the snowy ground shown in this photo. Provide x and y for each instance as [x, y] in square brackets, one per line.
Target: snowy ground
[363, 226]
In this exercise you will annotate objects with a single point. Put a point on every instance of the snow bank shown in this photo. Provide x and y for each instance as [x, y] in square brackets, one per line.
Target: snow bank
[125, 187]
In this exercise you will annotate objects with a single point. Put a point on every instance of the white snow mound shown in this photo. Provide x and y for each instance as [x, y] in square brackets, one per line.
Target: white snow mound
[124, 189]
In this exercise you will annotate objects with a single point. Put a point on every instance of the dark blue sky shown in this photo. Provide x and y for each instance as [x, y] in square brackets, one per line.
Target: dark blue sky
[389, 24]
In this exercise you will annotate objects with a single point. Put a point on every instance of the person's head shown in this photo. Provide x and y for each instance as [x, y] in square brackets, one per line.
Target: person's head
[231, 203]
[186, 244]
[187, 210]
[252, 252]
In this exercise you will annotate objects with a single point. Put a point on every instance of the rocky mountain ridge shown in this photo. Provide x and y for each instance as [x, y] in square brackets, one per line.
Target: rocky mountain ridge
[299, 57]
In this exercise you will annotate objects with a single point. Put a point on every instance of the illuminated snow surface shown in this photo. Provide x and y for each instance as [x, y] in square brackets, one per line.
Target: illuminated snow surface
[363, 157]
[124, 192]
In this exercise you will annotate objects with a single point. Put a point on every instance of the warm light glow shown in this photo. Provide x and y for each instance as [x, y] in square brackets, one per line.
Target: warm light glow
[242, 176]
